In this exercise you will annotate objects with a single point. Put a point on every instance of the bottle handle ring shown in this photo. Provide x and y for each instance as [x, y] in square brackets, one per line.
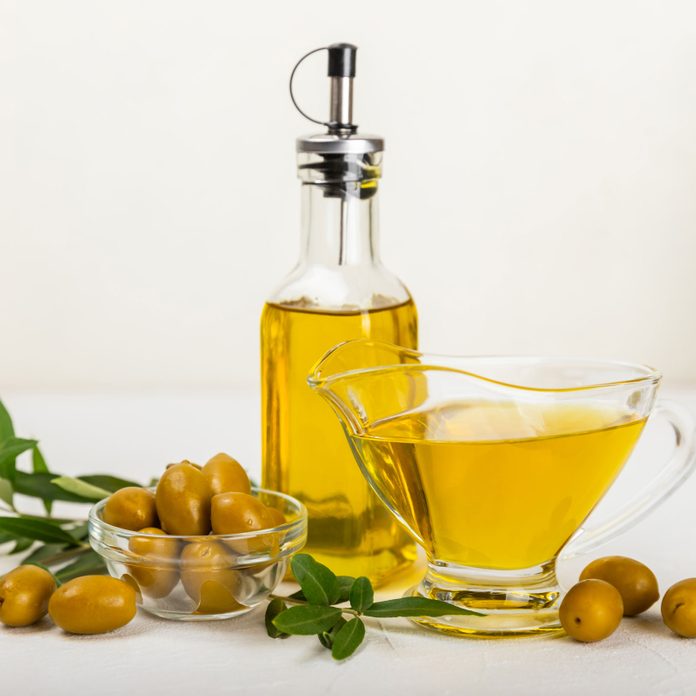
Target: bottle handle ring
[292, 95]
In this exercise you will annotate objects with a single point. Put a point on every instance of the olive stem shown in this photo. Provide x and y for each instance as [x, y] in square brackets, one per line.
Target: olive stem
[65, 555]
[62, 520]
[289, 600]
[303, 603]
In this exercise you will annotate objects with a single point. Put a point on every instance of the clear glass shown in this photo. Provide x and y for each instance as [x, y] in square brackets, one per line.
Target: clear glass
[339, 268]
[225, 576]
[493, 464]
[339, 290]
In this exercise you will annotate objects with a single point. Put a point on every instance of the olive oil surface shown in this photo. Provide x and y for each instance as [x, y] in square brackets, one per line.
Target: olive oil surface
[305, 451]
[497, 485]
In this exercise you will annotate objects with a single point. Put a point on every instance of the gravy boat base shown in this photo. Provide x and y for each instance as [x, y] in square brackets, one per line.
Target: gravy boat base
[507, 603]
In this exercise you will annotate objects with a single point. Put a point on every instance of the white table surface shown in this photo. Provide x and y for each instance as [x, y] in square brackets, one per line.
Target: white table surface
[136, 434]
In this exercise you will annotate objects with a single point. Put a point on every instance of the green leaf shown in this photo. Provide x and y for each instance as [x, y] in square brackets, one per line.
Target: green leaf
[80, 488]
[107, 482]
[21, 545]
[40, 486]
[39, 530]
[7, 468]
[10, 449]
[345, 582]
[90, 563]
[6, 427]
[42, 552]
[416, 606]
[319, 584]
[327, 637]
[348, 639]
[57, 521]
[362, 595]
[38, 463]
[39, 466]
[275, 606]
[6, 491]
[14, 446]
[79, 532]
[307, 621]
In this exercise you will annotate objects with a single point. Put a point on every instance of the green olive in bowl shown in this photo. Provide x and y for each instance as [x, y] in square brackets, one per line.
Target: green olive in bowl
[131, 508]
[183, 501]
[226, 475]
[156, 570]
[208, 578]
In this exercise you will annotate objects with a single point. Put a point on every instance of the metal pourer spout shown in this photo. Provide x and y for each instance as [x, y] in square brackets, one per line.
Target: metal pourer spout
[341, 160]
[341, 71]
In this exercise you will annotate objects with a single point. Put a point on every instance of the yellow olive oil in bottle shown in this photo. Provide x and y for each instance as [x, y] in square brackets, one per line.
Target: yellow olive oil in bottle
[339, 290]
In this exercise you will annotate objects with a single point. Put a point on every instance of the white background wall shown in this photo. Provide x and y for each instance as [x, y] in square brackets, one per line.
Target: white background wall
[539, 190]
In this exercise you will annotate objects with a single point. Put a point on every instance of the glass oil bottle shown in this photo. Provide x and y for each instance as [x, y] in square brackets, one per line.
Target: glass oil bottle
[338, 290]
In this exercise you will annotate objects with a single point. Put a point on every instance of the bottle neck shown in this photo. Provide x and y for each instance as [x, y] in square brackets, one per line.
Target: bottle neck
[339, 230]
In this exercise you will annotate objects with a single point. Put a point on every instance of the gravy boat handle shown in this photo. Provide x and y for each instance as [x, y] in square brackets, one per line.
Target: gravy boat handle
[673, 473]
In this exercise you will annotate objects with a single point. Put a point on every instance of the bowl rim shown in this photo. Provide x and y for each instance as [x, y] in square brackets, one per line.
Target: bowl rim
[95, 521]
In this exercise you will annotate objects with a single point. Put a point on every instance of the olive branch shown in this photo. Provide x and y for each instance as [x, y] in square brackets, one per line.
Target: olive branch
[59, 544]
[313, 609]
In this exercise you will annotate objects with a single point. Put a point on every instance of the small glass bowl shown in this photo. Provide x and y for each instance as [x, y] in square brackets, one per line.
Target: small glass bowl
[202, 578]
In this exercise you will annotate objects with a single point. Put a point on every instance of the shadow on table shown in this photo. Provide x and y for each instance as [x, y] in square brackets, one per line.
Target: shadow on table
[46, 626]
[650, 623]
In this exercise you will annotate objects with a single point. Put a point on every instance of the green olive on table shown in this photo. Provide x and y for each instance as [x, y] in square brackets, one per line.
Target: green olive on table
[131, 508]
[635, 582]
[679, 608]
[92, 604]
[225, 474]
[208, 578]
[24, 595]
[591, 610]
[156, 572]
[183, 501]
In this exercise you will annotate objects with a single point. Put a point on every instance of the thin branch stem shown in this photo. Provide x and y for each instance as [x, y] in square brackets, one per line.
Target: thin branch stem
[289, 600]
[50, 518]
[303, 603]
[65, 555]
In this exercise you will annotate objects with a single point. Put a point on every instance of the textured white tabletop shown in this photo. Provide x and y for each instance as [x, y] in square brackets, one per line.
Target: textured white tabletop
[136, 434]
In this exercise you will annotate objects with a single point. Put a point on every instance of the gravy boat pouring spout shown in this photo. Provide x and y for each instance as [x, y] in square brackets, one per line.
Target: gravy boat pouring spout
[493, 465]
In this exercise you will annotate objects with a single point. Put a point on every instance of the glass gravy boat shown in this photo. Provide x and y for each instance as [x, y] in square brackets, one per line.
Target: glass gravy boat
[493, 464]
